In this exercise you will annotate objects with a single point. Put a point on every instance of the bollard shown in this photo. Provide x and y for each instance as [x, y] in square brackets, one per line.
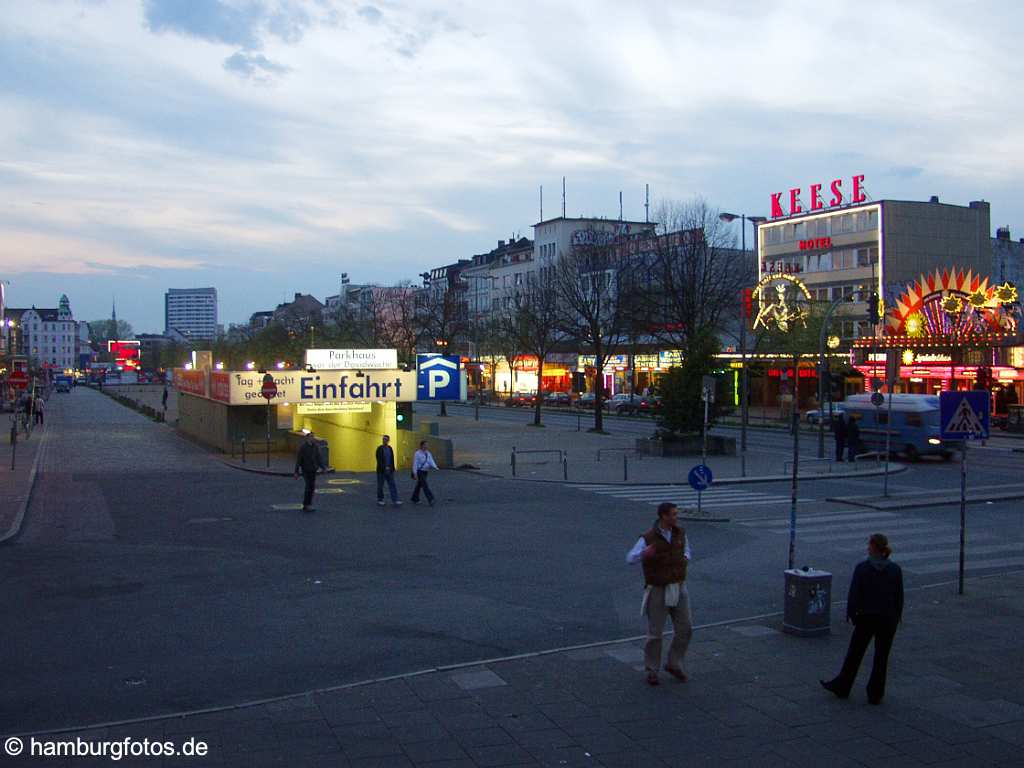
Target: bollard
[579, 421]
[14, 442]
[625, 468]
[565, 465]
[513, 461]
[243, 449]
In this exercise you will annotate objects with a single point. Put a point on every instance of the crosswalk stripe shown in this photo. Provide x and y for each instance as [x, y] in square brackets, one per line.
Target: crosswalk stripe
[970, 565]
[705, 496]
[822, 517]
[937, 537]
[903, 557]
[847, 528]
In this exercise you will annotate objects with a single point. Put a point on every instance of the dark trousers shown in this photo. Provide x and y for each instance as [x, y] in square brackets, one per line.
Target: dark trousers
[39, 417]
[840, 448]
[854, 445]
[387, 476]
[421, 482]
[307, 497]
[883, 630]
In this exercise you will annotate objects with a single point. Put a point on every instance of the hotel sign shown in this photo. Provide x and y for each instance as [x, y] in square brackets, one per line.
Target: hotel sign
[817, 201]
[352, 359]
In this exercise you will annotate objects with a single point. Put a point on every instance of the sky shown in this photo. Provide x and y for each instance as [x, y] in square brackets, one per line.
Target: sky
[264, 147]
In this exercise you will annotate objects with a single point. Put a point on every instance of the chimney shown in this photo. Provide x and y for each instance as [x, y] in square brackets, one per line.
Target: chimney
[1003, 233]
[297, 295]
[501, 243]
[933, 199]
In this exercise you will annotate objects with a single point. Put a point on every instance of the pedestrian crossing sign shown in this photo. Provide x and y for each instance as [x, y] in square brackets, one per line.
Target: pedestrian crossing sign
[964, 415]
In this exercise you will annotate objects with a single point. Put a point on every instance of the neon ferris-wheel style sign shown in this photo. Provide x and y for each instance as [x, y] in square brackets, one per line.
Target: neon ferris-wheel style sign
[783, 299]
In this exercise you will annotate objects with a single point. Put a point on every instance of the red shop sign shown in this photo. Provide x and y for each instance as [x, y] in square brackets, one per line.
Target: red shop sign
[817, 201]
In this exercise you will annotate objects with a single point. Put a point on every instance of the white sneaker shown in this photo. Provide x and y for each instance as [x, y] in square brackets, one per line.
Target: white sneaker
[398, 503]
[380, 503]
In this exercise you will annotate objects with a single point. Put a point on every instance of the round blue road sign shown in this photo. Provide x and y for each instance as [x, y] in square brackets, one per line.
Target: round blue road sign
[700, 477]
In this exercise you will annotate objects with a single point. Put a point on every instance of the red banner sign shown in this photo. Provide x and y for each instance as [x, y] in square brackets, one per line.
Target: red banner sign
[192, 382]
[220, 386]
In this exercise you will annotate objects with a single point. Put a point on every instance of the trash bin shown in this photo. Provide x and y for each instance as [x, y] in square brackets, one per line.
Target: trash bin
[325, 451]
[807, 608]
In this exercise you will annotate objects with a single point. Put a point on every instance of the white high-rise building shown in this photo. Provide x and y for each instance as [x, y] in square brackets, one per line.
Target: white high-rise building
[192, 312]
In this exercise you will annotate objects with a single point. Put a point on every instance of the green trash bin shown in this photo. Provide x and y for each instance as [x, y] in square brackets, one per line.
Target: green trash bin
[807, 610]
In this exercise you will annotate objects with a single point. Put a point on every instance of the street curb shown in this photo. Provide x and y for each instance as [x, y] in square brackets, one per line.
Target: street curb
[724, 481]
[19, 518]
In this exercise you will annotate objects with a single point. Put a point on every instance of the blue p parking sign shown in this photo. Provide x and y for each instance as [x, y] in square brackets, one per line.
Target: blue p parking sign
[437, 377]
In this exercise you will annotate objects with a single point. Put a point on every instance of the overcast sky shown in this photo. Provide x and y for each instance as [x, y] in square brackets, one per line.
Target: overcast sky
[266, 146]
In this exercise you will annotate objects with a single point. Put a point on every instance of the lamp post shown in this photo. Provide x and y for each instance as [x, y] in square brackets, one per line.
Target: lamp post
[744, 381]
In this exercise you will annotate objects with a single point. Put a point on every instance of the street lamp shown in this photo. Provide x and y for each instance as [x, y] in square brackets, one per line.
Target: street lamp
[744, 381]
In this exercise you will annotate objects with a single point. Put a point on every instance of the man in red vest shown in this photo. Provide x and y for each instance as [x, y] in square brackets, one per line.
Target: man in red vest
[665, 552]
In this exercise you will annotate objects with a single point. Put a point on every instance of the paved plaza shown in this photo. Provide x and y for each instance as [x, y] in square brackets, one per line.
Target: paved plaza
[156, 593]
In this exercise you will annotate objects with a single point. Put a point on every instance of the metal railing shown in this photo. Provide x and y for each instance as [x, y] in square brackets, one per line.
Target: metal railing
[625, 459]
[563, 458]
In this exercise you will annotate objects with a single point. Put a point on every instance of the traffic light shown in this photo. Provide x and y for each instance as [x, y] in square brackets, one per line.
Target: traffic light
[403, 415]
[873, 309]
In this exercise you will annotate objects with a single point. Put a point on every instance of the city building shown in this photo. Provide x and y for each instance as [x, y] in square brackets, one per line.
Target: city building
[192, 312]
[945, 311]
[1007, 258]
[49, 338]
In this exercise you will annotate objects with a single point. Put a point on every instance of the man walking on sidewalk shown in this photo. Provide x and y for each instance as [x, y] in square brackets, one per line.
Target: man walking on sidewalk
[664, 552]
[309, 461]
[422, 463]
[386, 471]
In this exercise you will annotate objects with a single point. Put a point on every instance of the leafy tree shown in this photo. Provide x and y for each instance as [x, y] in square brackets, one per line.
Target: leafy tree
[102, 331]
[540, 328]
[682, 410]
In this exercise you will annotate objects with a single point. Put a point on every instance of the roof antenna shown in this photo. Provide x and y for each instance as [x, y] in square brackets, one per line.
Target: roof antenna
[563, 197]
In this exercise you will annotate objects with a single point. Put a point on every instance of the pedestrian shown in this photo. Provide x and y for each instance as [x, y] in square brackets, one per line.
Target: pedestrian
[422, 463]
[309, 461]
[37, 409]
[875, 606]
[163, 399]
[386, 471]
[839, 431]
[853, 437]
[664, 552]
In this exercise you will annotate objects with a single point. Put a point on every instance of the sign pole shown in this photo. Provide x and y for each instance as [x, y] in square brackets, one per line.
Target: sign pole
[268, 434]
[792, 497]
[963, 516]
[888, 444]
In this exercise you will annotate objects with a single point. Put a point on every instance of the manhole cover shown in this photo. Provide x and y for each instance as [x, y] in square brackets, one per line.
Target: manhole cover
[343, 481]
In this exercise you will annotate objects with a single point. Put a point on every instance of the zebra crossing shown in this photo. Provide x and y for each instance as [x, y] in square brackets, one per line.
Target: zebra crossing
[921, 545]
[722, 497]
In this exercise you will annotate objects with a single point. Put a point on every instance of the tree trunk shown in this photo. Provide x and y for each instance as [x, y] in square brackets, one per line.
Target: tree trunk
[598, 390]
[540, 391]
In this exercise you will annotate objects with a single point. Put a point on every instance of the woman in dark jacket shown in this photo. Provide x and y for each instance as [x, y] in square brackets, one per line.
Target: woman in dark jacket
[875, 606]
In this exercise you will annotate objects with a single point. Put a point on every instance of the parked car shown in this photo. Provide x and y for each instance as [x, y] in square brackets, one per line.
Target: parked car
[586, 400]
[649, 405]
[558, 399]
[813, 416]
[521, 399]
[62, 385]
[623, 404]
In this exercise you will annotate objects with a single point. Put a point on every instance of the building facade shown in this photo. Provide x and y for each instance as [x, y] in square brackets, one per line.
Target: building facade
[192, 312]
[49, 338]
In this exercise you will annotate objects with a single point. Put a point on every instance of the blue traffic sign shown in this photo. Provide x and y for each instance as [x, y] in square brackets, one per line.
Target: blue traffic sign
[700, 477]
[964, 415]
[437, 377]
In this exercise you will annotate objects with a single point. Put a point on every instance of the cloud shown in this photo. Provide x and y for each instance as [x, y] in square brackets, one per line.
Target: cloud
[371, 13]
[255, 66]
[212, 20]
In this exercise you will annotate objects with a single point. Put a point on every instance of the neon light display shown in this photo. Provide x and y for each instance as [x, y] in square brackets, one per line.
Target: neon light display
[783, 302]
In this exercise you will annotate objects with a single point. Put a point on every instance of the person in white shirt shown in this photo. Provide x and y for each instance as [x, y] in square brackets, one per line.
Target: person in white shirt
[422, 463]
[664, 552]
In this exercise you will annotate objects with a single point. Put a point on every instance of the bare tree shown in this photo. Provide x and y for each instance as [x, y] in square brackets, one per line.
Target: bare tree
[694, 273]
[507, 340]
[440, 316]
[540, 327]
[587, 281]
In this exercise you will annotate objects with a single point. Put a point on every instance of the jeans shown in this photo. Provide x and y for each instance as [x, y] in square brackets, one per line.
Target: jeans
[307, 497]
[387, 476]
[882, 629]
[421, 482]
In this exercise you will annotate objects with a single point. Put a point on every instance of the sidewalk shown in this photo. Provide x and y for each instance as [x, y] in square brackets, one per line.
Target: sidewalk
[1006, 492]
[954, 699]
[16, 485]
